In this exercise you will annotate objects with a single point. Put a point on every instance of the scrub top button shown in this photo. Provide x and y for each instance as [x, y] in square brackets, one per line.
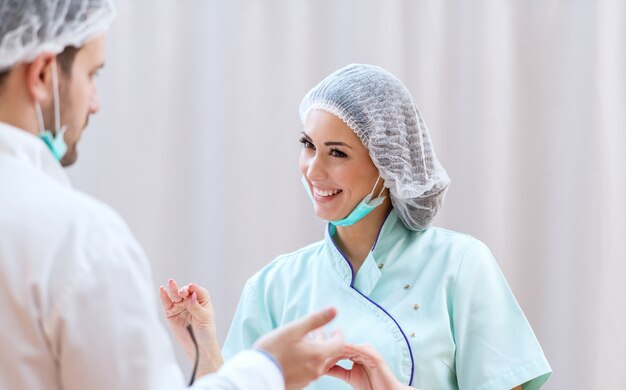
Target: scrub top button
[416, 307]
[412, 334]
[380, 266]
[407, 286]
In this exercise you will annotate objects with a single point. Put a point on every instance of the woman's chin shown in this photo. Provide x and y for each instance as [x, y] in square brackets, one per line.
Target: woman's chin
[327, 215]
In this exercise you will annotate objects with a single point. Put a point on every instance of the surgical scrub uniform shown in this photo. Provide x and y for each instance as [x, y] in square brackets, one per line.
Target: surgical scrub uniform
[433, 303]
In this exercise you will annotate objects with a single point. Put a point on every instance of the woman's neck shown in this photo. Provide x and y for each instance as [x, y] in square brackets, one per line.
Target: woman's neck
[356, 241]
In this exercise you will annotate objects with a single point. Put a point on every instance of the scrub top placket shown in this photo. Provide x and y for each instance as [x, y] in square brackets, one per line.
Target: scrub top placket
[372, 273]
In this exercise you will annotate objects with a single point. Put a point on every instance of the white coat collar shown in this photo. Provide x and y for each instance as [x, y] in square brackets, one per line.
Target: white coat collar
[28, 150]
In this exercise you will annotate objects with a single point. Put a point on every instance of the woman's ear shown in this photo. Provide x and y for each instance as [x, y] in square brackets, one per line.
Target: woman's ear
[39, 78]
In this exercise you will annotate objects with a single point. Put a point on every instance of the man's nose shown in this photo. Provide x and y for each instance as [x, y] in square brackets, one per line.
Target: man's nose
[94, 104]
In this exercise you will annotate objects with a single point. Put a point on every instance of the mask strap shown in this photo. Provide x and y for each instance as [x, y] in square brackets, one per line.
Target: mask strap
[55, 95]
[374, 189]
[42, 127]
[58, 131]
[381, 192]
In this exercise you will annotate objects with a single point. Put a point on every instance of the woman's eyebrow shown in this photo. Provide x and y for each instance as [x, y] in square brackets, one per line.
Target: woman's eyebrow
[328, 143]
[337, 143]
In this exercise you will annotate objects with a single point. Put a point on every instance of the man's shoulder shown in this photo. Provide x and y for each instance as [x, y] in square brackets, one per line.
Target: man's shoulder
[60, 237]
[37, 205]
[76, 208]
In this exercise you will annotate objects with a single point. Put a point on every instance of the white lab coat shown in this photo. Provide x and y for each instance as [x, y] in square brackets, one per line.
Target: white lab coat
[77, 303]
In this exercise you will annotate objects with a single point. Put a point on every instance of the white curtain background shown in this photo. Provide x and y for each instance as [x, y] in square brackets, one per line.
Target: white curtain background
[197, 143]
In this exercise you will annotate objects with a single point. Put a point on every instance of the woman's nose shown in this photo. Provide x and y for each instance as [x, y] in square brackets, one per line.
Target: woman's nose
[315, 169]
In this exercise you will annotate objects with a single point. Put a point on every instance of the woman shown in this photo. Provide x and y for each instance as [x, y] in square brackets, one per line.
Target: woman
[432, 302]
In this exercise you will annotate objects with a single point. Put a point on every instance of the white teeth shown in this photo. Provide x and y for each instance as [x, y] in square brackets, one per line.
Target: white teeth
[325, 193]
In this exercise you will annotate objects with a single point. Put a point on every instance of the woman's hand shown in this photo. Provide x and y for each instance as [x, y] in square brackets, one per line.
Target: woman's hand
[191, 305]
[369, 371]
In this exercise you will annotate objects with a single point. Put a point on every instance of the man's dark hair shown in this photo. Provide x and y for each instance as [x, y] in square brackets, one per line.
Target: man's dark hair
[3, 76]
[65, 60]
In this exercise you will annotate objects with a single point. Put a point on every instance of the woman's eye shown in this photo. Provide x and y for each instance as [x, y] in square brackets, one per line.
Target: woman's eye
[338, 153]
[306, 144]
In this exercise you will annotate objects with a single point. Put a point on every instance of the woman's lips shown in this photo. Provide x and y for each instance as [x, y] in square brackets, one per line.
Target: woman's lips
[325, 196]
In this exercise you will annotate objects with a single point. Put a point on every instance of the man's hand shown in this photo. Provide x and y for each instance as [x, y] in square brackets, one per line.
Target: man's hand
[191, 305]
[304, 356]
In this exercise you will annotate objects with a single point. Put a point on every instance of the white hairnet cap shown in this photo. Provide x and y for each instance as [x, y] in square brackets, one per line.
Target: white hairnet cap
[381, 111]
[29, 28]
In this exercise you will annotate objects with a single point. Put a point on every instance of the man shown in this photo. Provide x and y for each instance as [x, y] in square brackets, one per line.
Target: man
[75, 291]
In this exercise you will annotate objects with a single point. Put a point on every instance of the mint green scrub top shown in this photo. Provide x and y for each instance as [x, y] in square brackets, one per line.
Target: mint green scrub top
[433, 303]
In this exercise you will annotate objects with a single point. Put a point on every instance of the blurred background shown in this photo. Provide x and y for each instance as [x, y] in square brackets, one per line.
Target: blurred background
[196, 144]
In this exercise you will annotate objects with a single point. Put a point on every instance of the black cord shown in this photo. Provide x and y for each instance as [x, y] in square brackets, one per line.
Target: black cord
[195, 366]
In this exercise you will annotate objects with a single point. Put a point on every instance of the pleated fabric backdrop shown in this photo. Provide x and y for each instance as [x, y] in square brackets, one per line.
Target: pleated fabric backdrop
[197, 143]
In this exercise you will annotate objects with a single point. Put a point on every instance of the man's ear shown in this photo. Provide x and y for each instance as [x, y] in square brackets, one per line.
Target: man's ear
[39, 77]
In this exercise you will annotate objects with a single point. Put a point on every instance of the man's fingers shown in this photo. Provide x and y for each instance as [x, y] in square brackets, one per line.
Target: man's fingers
[316, 335]
[312, 322]
[339, 373]
[334, 351]
[333, 346]
[166, 302]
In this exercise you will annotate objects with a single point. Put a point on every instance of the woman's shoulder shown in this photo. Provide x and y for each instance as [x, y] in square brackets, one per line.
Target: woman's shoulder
[289, 265]
[462, 249]
[447, 239]
[445, 233]
[445, 247]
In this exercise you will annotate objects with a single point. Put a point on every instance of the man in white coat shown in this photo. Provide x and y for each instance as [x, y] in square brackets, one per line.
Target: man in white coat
[76, 297]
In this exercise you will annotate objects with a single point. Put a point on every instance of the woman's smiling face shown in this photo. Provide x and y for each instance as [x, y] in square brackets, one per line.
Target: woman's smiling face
[336, 165]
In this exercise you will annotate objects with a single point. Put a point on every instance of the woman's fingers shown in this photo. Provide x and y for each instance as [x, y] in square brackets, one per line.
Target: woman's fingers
[202, 293]
[172, 289]
[191, 299]
[363, 354]
[183, 292]
[177, 294]
[166, 302]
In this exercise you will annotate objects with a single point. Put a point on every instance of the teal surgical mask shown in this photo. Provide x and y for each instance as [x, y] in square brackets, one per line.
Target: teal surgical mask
[54, 140]
[366, 206]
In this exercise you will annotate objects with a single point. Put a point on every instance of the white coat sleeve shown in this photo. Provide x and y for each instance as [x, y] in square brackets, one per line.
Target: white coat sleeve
[248, 370]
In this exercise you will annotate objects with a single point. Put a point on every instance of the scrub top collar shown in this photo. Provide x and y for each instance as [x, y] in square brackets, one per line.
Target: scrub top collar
[29, 150]
[371, 270]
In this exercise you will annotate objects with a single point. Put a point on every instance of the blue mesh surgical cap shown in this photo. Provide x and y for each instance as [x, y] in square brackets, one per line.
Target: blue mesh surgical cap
[381, 111]
[29, 28]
